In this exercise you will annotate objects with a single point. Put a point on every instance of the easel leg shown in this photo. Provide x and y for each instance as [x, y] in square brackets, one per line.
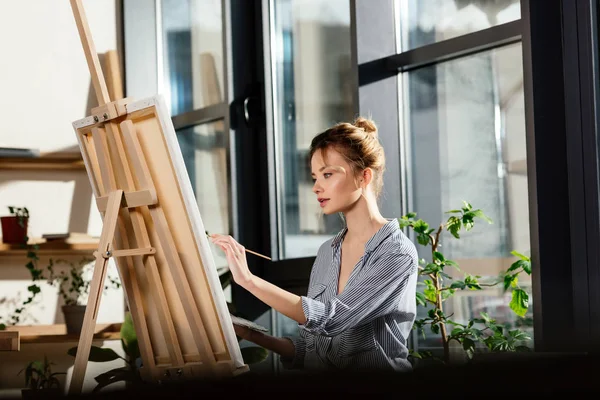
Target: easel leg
[97, 284]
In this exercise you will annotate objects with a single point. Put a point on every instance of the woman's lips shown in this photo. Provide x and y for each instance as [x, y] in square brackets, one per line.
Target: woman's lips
[323, 202]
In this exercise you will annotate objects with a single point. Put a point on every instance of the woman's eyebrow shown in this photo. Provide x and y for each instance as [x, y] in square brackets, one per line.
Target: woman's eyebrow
[320, 169]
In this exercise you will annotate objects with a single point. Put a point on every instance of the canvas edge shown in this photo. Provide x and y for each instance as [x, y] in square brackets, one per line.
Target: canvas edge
[197, 228]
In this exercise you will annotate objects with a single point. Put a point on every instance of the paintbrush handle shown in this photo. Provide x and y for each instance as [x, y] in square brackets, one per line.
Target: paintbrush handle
[257, 254]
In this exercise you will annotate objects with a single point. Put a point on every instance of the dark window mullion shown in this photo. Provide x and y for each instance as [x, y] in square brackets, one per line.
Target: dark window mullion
[460, 46]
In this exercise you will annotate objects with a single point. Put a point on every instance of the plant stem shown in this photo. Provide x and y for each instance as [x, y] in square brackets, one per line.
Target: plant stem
[436, 283]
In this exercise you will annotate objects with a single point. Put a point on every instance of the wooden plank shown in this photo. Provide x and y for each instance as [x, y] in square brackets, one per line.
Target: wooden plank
[57, 333]
[91, 55]
[112, 69]
[130, 199]
[54, 248]
[141, 239]
[104, 162]
[96, 288]
[135, 301]
[9, 341]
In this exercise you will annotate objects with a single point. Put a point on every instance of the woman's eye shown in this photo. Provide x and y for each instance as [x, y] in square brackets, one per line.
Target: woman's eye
[327, 175]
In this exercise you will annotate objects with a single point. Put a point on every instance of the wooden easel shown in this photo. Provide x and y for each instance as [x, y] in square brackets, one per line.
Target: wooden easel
[152, 227]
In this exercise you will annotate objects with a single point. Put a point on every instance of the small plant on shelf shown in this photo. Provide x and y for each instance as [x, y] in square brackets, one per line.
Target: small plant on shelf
[40, 381]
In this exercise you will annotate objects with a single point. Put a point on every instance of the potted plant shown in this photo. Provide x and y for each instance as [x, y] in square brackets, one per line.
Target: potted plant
[41, 382]
[14, 227]
[477, 334]
[73, 287]
[130, 372]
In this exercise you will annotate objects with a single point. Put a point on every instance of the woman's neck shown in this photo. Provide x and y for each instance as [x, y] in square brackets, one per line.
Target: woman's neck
[363, 221]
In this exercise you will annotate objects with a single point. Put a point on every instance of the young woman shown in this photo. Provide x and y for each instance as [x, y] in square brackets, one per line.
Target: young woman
[360, 305]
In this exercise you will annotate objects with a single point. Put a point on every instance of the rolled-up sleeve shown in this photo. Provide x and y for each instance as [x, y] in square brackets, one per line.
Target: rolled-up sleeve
[381, 285]
[297, 361]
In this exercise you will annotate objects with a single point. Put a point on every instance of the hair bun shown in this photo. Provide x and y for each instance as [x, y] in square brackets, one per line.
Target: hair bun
[367, 125]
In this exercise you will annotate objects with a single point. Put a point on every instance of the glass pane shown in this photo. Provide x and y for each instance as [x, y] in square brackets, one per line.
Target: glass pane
[428, 21]
[312, 91]
[466, 127]
[192, 35]
[204, 149]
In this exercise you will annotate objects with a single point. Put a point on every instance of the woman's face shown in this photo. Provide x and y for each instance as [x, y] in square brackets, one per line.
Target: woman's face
[334, 183]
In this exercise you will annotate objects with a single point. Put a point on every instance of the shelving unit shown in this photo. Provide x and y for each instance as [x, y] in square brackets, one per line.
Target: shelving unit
[58, 333]
[54, 248]
[46, 161]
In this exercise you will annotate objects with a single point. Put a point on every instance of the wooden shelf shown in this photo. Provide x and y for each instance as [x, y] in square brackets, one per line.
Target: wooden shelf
[55, 248]
[46, 161]
[58, 333]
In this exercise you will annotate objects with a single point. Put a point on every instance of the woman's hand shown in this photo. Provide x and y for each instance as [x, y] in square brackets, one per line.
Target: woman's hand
[242, 331]
[236, 258]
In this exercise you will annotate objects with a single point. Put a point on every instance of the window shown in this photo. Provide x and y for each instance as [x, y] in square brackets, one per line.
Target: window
[464, 134]
[425, 22]
[310, 42]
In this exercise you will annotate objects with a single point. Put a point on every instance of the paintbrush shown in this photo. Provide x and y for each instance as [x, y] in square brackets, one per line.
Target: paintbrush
[248, 251]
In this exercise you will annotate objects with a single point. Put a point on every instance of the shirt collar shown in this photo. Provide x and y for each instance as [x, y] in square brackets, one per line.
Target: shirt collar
[379, 236]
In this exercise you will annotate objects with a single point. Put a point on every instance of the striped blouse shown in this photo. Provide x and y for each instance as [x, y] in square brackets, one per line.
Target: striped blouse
[368, 324]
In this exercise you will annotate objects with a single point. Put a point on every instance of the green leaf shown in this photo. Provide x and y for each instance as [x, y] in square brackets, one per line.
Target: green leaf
[453, 226]
[430, 293]
[404, 223]
[421, 299]
[447, 293]
[520, 264]
[467, 206]
[97, 354]
[453, 212]
[452, 263]
[129, 336]
[520, 302]
[508, 281]
[253, 355]
[114, 375]
[435, 328]
[517, 334]
[2, 327]
[437, 256]
[34, 289]
[469, 347]
[411, 215]
[456, 331]
[458, 285]
[423, 239]
[421, 226]
[521, 256]
[480, 214]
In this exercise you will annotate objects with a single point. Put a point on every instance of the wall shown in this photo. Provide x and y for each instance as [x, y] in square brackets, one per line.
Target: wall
[45, 86]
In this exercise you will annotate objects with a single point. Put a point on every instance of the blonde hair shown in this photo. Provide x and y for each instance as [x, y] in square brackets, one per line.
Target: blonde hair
[358, 143]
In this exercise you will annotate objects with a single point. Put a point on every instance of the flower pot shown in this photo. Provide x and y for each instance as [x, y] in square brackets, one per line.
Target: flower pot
[73, 318]
[12, 232]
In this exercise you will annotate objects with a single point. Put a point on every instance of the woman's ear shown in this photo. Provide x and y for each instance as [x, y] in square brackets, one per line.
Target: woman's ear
[367, 177]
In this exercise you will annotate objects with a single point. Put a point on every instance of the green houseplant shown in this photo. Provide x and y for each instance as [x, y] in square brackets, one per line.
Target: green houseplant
[73, 287]
[475, 333]
[40, 381]
[22, 216]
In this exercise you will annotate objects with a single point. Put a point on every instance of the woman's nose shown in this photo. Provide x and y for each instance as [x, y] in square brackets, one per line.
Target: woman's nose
[316, 187]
